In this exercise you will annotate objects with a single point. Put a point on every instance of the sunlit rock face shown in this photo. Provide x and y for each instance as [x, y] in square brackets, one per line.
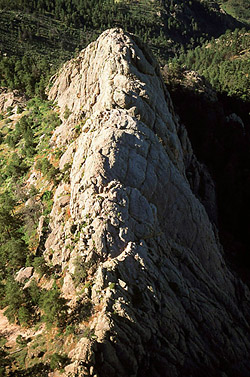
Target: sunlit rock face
[164, 301]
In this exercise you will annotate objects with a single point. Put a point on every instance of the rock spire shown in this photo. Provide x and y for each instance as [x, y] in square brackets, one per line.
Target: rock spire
[164, 301]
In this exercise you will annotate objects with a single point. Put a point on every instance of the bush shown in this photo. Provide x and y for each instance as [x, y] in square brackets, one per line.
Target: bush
[81, 270]
[14, 298]
[33, 191]
[19, 110]
[34, 293]
[16, 167]
[58, 361]
[10, 140]
[12, 246]
[47, 169]
[83, 310]
[40, 265]
[24, 316]
[21, 340]
[54, 307]
[66, 172]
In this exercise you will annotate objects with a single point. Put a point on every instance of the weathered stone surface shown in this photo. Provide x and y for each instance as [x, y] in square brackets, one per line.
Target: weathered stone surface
[164, 301]
[24, 274]
[11, 99]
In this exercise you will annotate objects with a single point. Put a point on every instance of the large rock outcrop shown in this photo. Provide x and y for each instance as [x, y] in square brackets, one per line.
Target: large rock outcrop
[164, 301]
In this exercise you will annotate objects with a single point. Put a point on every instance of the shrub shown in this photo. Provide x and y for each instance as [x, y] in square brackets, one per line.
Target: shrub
[54, 307]
[40, 265]
[33, 191]
[58, 361]
[24, 316]
[14, 298]
[21, 340]
[10, 140]
[82, 311]
[19, 110]
[16, 167]
[9, 109]
[34, 293]
[81, 270]
[66, 172]
[47, 169]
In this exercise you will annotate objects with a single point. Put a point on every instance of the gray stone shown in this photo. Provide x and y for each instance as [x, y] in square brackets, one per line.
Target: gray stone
[24, 274]
[141, 220]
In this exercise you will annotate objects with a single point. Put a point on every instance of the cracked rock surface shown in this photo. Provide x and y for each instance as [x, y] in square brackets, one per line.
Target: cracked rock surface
[168, 305]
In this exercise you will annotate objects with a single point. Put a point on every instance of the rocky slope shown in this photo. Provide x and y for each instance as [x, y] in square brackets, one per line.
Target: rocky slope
[139, 214]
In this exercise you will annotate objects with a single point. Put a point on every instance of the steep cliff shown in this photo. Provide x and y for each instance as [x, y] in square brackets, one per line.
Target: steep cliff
[164, 303]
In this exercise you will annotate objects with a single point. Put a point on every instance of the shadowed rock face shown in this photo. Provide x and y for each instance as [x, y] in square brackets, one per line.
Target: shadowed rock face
[165, 303]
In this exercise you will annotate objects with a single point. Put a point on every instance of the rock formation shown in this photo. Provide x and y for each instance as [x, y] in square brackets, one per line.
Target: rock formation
[11, 99]
[164, 301]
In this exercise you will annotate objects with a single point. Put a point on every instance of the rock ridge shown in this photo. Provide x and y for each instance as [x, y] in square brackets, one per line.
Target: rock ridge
[164, 301]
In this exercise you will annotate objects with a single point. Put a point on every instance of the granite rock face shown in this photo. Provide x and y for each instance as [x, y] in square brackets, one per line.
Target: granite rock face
[164, 301]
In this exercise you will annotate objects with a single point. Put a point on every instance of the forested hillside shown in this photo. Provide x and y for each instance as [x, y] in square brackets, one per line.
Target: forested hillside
[240, 9]
[224, 62]
[38, 36]
[24, 143]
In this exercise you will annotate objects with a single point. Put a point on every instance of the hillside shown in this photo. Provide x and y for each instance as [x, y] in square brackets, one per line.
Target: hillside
[110, 258]
[239, 9]
[43, 35]
[224, 62]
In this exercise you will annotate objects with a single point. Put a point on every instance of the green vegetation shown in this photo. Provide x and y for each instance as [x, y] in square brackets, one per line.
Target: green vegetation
[66, 112]
[23, 304]
[29, 73]
[47, 169]
[38, 36]
[58, 361]
[40, 265]
[32, 47]
[240, 9]
[224, 62]
[12, 245]
[81, 270]
[15, 299]
[22, 144]
[54, 307]
[66, 172]
[25, 144]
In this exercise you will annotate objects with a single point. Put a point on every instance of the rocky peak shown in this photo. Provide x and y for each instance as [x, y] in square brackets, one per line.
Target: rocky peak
[164, 301]
[115, 72]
